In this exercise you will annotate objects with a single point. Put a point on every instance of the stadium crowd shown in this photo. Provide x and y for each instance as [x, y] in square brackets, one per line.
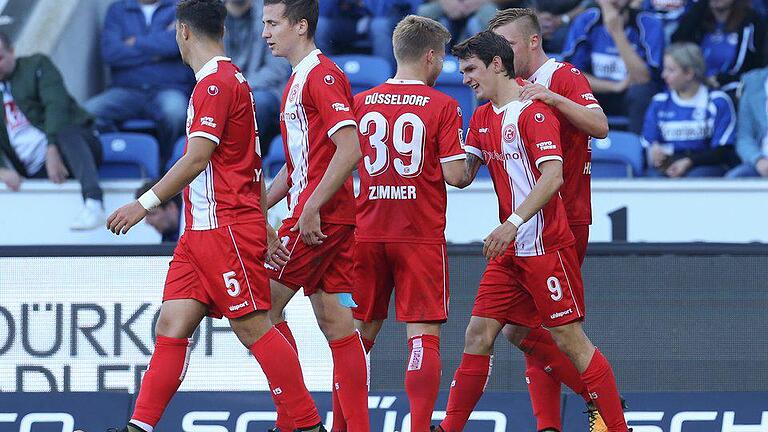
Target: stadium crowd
[688, 77]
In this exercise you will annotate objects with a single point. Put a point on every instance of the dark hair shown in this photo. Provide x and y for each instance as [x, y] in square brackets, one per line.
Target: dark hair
[6, 40]
[203, 16]
[148, 185]
[486, 45]
[297, 10]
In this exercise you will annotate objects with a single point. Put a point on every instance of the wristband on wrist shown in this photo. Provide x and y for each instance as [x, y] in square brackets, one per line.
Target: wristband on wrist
[515, 220]
[149, 200]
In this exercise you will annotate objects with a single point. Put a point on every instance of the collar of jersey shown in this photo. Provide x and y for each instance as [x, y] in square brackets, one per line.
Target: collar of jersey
[210, 67]
[310, 58]
[509, 104]
[699, 100]
[541, 69]
[402, 81]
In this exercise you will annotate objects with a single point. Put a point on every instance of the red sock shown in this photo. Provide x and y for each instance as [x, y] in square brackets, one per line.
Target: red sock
[466, 389]
[339, 424]
[284, 421]
[162, 379]
[422, 379]
[540, 345]
[280, 364]
[350, 379]
[602, 387]
[545, 395]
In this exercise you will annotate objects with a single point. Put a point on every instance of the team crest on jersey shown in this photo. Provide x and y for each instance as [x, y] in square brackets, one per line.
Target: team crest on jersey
[329, 79]
[213, 90]
[294, 92]
[509, 133]
[539, 117]
[575, 71]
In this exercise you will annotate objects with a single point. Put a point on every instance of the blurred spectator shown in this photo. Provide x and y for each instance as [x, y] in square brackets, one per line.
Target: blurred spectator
[731, 36]
[46, 133]
[463, 18]
[266, 74]
[555, 17]
[620, 49]
[149, 80]
[752, 132]
[689, 129]
[165, 218]
[344, 23]
[669, 11]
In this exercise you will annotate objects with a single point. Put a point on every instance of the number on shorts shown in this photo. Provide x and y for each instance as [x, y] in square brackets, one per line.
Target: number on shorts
[553, 284]
[413, 147]
[233, 286]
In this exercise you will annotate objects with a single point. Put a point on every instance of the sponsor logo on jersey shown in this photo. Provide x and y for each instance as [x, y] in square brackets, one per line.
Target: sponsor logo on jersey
[329, 79]
[288, 116]
[207, 121]
[213, 90]
[561, 314]
[589, 97]
[546, 145]
[338, 106]
[509, 133]
[482, 130]
[539, 117]
[494, 155]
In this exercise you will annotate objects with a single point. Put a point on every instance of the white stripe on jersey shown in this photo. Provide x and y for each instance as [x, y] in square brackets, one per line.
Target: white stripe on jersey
[203, 201]
[297, 129]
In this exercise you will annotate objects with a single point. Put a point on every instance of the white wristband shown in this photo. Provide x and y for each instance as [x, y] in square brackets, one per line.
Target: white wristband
[149, 200]
[515, 220]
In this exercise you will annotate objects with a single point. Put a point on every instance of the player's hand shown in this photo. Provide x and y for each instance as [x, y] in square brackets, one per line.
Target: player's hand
[126, 217]
[54, 165]
[309, 226]
[277, 253]
[679, 167]
[531, 91]
[499, 240]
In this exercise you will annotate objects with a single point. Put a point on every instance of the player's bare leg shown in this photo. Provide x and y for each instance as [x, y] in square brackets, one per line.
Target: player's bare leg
[281, 295]
[176, 324]
[350, 374]
[473, 372]
[595, 371]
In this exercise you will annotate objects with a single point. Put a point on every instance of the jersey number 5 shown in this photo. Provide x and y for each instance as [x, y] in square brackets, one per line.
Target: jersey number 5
[233, 286]
[407, 139]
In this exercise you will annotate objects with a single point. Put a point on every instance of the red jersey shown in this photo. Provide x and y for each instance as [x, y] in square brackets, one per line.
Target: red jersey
[566, 80]
[407, 129]
[513, 141]
[221, 109]
[317, 102]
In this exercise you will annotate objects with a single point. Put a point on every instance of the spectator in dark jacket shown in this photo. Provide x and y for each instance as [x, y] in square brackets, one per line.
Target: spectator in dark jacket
[731, 35]
[45, 134]
[149, 80]
[265, 73]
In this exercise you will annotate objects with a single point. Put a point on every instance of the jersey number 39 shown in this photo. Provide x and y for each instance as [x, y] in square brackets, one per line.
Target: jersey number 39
[407, 139]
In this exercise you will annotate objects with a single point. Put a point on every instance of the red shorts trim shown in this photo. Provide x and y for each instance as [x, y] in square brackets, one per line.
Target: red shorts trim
[418, 274]
[222, 268]
[533, 290]
[326, 267]
[581, 233]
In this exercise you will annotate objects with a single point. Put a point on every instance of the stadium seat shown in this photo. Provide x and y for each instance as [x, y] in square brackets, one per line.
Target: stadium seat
[129, 155]
[618, 155]
[138, 125]
[618, 122]
[275, 159]
[364, 71]
[450, 83]
[178, 152]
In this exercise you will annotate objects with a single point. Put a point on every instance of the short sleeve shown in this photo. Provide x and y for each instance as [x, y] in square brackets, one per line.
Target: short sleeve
[474, 144]
[651, 133]
[210, 109]
[332, 97]
[725, 120]
[450, 133]
[576, 87]
[541, 130]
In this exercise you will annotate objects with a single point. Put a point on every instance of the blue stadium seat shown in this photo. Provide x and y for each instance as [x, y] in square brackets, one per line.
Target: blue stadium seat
[275, 159]
[618, 122]
[618, 155]
[364, 71]
[178, 152]
[450, 83]
[129, 155]
[138, 125]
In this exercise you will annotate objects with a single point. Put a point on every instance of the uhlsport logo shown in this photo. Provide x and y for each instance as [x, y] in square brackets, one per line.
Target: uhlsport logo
[213, 90]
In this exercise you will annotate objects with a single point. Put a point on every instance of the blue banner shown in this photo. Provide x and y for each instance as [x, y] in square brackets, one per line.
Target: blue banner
[62, 412]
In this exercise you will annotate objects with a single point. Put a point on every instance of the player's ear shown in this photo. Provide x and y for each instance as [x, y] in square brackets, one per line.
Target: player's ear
[302, 27]
[430, 56]
[498, 67]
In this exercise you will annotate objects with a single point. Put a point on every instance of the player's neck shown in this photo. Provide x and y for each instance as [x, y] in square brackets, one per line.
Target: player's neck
[301, 51]
[538, 60]
[506, 92]
[203, 53]
[407, 72]
[689, 91]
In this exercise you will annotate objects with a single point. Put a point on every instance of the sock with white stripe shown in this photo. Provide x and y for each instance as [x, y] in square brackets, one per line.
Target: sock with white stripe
[162, 379]
[422, 379]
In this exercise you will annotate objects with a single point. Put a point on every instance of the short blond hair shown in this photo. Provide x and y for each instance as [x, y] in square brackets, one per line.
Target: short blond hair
[688, 56]
[506, 16]
[415, 35]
